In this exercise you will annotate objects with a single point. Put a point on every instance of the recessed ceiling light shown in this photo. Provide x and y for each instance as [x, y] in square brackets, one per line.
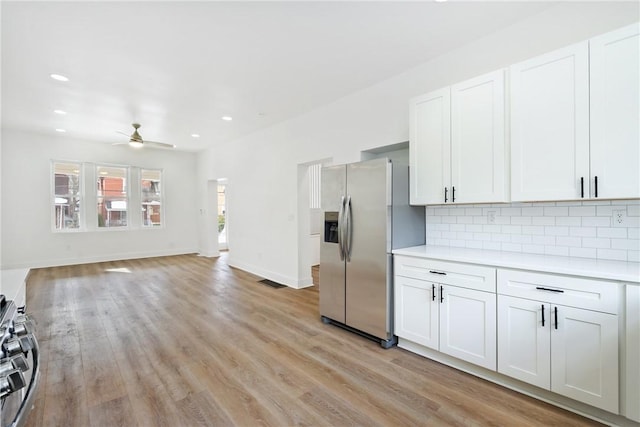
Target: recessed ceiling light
[59, 77]
[60, 130]
[195, 135]
[104, 173]
[227, 118]
[62, 113]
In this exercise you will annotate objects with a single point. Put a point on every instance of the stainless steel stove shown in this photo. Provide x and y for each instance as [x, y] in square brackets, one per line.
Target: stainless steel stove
[19, 364]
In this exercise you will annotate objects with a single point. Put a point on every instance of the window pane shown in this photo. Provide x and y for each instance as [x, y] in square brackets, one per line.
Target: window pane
[112, 196]
[151, 197]
[66, 179]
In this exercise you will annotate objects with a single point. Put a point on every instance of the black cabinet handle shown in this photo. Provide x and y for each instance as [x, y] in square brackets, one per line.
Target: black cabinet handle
[556, 316]
[596, 182]
[445, 194]
[453, 194]
[433, 292]
[442, 273]
[441, 294]
[582, 187]
[540, 288]
[542, 315]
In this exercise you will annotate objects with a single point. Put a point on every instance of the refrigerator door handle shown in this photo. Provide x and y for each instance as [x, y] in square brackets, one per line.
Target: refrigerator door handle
[340, 229]
[347, 229]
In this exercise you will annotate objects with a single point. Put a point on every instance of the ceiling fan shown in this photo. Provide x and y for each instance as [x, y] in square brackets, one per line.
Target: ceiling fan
[136, 141]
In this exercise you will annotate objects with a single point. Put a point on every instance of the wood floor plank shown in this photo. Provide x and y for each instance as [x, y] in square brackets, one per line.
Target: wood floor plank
[101, 373]
[200, 409]
[113, 413]
[190, 341]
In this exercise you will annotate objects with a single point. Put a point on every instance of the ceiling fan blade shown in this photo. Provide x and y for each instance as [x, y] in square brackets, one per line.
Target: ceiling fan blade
[121, 143]
[158, 144]
[125, 134]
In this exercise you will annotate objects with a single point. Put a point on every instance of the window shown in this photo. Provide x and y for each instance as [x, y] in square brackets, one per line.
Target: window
[66, 195]
[151, 197]
[112, 196]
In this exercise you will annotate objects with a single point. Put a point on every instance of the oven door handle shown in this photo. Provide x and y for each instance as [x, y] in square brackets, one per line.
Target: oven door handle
[27, 402]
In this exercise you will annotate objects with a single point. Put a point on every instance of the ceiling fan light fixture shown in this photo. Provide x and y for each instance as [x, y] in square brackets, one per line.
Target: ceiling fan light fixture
[135, 144]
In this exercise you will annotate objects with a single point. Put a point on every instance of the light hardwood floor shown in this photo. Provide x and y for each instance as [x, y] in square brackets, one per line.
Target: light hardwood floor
[189, 341]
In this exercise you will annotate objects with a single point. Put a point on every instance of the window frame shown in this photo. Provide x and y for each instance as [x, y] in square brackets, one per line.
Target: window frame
[160, 198]
[127, 179]
[80, 196]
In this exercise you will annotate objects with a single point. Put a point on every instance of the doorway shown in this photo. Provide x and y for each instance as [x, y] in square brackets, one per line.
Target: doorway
[221, 218]
[309, 224]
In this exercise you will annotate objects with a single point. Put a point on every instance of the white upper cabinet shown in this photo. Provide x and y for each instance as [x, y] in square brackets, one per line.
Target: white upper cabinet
[550, 126]
[457, 143]
[615, 113]
[575, 121]
[477, 140]
[430, 147]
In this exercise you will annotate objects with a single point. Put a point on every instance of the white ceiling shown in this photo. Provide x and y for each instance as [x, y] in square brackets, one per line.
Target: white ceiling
[178, 67]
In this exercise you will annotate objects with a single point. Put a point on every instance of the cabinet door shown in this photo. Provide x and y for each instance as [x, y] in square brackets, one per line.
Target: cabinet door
[477, 139]
[584, 356]
[524, 341]
[430, 147]
[615, 100]
[416, 311]
[550, 126]
[468, 325]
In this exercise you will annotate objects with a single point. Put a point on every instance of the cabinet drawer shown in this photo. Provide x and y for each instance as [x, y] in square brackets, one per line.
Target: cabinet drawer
[448, 273]
[590, 294]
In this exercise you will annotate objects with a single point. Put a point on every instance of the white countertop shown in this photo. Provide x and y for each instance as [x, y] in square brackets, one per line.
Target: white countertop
[601, 269]
[12, 283]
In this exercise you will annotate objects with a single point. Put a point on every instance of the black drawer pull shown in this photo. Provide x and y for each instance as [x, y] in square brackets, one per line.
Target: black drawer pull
[556, 314]
[540, 288]
[433, 292]
[441, 295]
[582, 187]
[437, 272]
[596, 182]
[453, 194]
[542, 315]
[445, 194]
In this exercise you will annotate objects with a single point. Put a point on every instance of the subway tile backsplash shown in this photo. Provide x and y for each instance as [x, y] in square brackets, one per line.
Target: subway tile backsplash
[591, 229]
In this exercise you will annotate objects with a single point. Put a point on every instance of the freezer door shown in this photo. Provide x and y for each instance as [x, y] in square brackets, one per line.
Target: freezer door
[368, 303]
[332, 272]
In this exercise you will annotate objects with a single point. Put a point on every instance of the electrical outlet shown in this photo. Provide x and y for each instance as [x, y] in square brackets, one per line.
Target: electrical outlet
[491, 217]
[619, 217]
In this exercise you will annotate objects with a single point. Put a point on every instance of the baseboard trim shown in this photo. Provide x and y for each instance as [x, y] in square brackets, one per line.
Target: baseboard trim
[100, 258]
[271, 275]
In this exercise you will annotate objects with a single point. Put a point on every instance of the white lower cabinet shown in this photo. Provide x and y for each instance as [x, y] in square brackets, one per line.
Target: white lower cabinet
[454, 320]
[416, 311]
[569, 350]
[468, 325]
[524, 340]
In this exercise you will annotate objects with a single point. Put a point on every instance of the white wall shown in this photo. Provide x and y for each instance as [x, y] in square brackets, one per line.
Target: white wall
[27, 238]
[262, 167]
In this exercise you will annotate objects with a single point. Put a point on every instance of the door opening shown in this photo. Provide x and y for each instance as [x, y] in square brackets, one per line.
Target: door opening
[221, 218]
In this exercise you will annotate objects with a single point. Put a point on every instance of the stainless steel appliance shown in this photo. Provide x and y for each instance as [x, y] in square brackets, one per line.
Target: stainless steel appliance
[19, 364]
[366, 214]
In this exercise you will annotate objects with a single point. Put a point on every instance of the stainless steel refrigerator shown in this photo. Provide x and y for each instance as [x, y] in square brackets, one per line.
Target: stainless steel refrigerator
[366, 215]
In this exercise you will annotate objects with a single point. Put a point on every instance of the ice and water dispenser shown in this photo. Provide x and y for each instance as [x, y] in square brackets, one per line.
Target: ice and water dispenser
[331, 227]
